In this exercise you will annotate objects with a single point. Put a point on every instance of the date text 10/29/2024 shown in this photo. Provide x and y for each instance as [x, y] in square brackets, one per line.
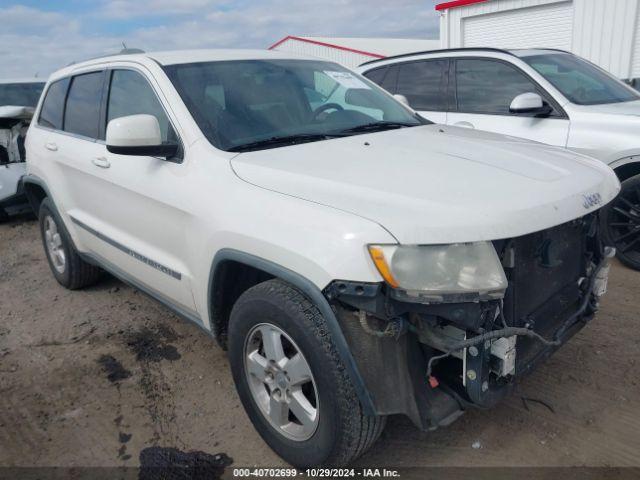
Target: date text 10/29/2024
[315, 473]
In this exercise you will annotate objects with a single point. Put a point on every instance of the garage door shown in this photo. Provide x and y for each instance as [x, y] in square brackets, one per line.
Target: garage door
[547, 26]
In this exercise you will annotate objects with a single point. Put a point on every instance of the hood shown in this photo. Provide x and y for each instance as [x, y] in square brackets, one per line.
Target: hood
[437, 184]
[621, 108]
[16, 112]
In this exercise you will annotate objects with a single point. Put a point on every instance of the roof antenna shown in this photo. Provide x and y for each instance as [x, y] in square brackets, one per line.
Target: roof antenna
[124, 45]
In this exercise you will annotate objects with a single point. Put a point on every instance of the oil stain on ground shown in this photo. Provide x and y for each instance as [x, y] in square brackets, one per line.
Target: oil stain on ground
[113, 368]
[153, 345]
[173, 464]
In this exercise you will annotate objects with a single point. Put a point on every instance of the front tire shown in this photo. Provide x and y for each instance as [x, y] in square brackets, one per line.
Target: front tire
[68, 268]
[291, 380]
[621, 222]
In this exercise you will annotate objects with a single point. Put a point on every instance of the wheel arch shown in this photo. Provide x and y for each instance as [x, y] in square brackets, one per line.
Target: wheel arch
[249, 270]
[626, 167]
[36, 191]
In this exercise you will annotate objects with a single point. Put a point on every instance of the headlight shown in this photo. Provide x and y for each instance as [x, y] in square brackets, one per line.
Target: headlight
[457, 268]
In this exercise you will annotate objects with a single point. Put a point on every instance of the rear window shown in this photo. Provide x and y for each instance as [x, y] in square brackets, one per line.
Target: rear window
[52, 110]
[82, 115]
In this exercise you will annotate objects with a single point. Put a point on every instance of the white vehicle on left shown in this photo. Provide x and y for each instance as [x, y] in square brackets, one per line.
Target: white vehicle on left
[17, 101]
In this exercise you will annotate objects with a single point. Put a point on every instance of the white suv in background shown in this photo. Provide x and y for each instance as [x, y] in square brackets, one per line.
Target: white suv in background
[18, 99]
[356, 260]
[545, 95]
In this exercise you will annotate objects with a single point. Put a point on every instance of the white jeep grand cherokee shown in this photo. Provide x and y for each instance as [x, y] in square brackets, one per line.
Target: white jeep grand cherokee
[356, 260]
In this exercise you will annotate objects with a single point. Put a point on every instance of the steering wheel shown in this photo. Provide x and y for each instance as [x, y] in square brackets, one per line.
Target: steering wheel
[580, 92]
[325, 107]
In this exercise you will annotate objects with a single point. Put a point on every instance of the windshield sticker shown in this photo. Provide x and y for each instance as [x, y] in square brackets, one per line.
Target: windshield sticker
[347, 80]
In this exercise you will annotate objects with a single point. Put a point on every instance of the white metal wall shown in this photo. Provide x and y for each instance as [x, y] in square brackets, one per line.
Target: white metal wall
[606, 32]
[635, 68]
[603, 32]
[343, 57]
[544, 26]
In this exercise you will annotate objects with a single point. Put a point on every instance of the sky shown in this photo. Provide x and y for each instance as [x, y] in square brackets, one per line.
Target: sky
[38, 37]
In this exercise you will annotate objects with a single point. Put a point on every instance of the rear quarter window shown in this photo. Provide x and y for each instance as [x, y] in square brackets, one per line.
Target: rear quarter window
[377, 75]
[52, 112]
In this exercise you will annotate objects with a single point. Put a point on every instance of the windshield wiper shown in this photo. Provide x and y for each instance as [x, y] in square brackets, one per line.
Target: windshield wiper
[377, 127]
[282, 141]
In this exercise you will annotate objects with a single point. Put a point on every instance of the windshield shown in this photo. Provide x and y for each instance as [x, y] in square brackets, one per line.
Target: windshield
[253, 104]
[20, 94]
[580, 81]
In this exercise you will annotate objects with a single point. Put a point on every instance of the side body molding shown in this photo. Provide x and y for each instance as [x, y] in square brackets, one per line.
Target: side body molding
[315, 295]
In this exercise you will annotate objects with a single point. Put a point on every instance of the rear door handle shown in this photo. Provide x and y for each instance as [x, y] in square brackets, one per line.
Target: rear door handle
[101, 162]
[51, 146]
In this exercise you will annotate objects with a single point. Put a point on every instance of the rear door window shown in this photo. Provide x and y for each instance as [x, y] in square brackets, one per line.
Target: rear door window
[424, 83]
[52, 111]
[82, 114]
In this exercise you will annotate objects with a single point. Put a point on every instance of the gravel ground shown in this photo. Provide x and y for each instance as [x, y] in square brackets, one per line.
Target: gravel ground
[99, 376]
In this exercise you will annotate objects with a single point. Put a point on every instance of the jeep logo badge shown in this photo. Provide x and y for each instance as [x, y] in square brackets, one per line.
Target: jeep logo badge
[591, 200]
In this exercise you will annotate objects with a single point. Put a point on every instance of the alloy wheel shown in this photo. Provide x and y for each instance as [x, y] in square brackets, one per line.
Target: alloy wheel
[53, 241]
[281, 382]
[624, 221]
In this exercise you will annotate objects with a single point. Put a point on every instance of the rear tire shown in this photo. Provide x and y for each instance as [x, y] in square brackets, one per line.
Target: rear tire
[621, 223]
[342, 431]
[68, 268]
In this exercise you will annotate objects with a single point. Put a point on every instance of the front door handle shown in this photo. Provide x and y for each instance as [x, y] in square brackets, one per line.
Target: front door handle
[101, 162]
[51, 146]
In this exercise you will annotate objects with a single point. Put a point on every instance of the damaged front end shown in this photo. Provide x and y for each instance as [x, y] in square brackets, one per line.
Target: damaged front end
[431, 356]
[14, 123]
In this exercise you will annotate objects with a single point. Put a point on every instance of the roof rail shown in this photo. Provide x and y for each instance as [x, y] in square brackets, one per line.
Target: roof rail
[468, 49]
[124, 51]
[550, 49]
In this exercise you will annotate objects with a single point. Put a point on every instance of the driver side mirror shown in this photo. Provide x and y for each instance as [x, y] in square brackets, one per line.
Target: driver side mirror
[138, 135]
[531, 103]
